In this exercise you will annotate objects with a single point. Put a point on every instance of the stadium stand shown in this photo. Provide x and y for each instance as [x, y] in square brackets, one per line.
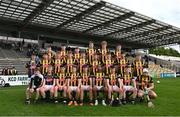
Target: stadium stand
[10, 58]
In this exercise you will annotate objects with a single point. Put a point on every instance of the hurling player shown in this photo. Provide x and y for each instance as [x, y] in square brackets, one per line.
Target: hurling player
[36, 82]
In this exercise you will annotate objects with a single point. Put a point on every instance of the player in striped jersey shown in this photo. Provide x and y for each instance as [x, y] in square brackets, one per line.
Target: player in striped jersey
[138, 66]
[61, 85]
[73, 84]
[86, 85]
[69, 62]
[82, 62]
[99, 85]
[115, 85]
[129, 84]
[145, 86]
[48, 84]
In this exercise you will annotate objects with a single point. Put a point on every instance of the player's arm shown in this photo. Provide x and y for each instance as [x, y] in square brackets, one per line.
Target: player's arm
[120, 81]
[79, 82]
[91, 80]
[42, 80]
[31, 82]
[54, 81]
[67, 80]
[151, 86]
[56, 78]
[43, 84]
[134, 82]
[107, 81]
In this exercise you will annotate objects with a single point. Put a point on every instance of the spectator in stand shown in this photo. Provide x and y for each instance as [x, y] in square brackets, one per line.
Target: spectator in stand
[13, 71]
[5, 71]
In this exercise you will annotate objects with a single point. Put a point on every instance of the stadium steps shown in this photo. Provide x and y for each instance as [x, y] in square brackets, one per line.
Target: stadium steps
[18, 64]
[11, 58]
[2, 55]
[157, 70]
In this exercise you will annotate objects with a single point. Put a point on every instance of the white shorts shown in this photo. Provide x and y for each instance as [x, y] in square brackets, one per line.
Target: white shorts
[128, 88]
[115, 88]
[73, 88]
[48, 87]
[85, 87]
[99, 88]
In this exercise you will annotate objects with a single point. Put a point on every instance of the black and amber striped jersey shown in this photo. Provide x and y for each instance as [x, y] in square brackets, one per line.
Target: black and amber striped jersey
[138, 67]
[127, 79]
[74, 77]
[85, 78]
[61, 78]
[99, 79]
[144, 81]
[44, 64]
[113, 79]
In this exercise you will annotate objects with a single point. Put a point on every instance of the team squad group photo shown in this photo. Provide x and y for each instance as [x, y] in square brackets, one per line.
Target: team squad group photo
[95, 76]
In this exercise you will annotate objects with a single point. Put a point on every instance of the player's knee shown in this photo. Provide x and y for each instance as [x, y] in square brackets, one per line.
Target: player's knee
[153, 96]
[56, 88]
[140, 94]
[65, 89]
[94, 89]
[90, 88]
[69, 90]
[37, 90]
[52, 90]
[27, 90]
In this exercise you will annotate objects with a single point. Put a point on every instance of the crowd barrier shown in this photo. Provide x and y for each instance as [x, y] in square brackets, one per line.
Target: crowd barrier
[14, 80]
[167, 75]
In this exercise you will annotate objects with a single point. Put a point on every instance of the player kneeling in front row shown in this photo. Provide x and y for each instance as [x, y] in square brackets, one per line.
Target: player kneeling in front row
[86, 85]
[145, 87]
[99, 85]
[129, 85]
[36, 82]
[48, 84]
[115, 85]
[61, 85]
[73, 84]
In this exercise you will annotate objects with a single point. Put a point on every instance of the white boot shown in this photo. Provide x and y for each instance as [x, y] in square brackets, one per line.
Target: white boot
[103, 103]
[96, 102]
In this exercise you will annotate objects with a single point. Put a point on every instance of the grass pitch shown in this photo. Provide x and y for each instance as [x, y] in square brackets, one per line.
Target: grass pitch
[167, 103]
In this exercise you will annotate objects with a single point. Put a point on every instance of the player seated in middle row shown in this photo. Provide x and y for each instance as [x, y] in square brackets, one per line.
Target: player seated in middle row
[36, 82]
[87, 85]
[114, 84]
[73, 84]
[99, 85]
[129, 85]
[48, 84]
[61, 85]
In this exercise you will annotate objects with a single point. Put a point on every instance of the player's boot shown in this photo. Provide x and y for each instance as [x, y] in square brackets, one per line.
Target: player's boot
[96, 102]
[81, 104]
[124, 101]
[133, 101]
[36, 101]
[91, 103]
[55, 101]
[75, 103]
[70, 103]
[103, 103]
[120, 102]
[64, 102]
[111, 102]
[27, 101]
